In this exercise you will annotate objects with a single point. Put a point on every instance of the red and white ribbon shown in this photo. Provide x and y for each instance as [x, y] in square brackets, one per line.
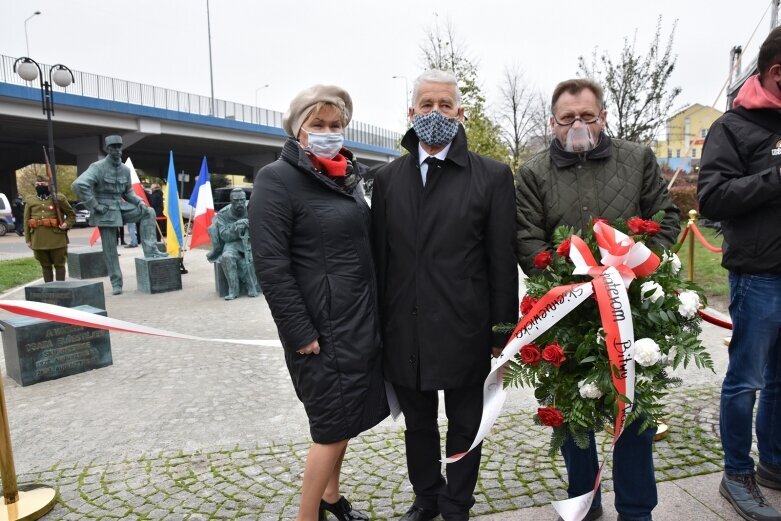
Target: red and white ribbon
[622, 261]
[82, 318]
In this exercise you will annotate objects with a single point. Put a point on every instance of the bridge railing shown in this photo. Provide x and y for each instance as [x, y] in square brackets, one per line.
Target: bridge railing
[114, 89]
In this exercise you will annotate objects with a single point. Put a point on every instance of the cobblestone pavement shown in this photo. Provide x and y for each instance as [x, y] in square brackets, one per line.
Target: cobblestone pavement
[187, 430]
[261, 481]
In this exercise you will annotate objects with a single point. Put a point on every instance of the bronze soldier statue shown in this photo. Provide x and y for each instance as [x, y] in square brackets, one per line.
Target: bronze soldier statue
[106, 188]
[229, 232]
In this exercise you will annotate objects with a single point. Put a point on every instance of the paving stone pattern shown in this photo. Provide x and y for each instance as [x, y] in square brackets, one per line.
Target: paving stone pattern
[261, 481]
[186, 430]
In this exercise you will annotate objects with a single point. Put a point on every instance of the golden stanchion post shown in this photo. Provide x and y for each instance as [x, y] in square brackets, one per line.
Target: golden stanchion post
[692, 222]
[33, 501]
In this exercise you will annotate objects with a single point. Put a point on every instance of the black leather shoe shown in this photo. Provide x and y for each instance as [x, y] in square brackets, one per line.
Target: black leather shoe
[416, 513]
[769, 475]
[591, 515]
[342, 509]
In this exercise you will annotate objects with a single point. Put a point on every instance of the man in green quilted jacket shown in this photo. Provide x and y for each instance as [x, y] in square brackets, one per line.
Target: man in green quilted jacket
[582, 175]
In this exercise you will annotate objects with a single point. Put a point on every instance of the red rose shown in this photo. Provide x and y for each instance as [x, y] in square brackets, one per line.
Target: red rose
[563, 249]
[530, 354]
[543, 259]
[599, 220]
[527, 303]
[635, 225]
[651, 227]
[554, 354]
[550, 416]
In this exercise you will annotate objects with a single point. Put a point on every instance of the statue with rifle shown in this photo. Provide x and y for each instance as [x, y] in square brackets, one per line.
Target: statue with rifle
[229, 233]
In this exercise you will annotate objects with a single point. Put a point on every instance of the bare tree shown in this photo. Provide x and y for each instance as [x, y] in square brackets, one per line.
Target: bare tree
[517, 107]
[442, 50]
[636, 85]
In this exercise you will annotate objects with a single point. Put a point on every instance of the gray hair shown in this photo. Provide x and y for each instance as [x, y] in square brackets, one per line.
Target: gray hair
[436, 76]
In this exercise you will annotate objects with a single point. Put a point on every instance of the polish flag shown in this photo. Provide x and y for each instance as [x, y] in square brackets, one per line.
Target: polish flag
[136, 182]
[201, 200]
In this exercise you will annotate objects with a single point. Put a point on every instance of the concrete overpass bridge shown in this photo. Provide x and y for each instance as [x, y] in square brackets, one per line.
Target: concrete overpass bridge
[236, 139]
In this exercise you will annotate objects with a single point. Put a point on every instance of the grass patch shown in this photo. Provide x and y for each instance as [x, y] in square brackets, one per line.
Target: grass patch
[16, 272]
[708, 273]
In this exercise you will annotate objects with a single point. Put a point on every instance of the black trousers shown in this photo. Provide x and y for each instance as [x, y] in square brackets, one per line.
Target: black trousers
[463, 406]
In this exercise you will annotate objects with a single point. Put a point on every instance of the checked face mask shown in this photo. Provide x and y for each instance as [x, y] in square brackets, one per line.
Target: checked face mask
[435, 129]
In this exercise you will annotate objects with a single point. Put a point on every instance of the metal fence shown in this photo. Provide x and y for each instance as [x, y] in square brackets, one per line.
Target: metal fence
[113, 89]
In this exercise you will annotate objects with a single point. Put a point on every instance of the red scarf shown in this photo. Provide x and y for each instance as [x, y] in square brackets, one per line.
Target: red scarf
[333, 168]
[753, 95]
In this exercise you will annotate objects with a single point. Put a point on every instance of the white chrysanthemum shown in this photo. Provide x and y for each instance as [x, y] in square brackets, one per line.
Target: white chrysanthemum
[601, 336]
[690, 303]
[589, 390]
[647, 352]
[676, 264]
[673, 259]
[650, 290]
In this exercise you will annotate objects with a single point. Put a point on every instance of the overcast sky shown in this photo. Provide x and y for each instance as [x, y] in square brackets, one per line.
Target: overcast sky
[360, 45]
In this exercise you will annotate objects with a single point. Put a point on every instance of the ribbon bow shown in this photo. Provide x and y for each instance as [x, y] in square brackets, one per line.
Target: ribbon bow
[631, 259]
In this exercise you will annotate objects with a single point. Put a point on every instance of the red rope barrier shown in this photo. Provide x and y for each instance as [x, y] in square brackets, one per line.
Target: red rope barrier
[702, 240]
[677, 247]
[713, 320]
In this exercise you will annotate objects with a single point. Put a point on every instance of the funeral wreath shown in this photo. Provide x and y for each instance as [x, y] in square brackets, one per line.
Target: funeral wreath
[568, 365]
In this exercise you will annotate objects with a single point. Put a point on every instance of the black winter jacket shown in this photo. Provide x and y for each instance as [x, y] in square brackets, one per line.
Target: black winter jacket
[740, 185]
[445, 264]
[312, 252]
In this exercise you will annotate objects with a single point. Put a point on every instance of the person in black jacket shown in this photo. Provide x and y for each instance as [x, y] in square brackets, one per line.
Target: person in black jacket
[156, 203]
[740, 185]
[444, 226]
[309, 227]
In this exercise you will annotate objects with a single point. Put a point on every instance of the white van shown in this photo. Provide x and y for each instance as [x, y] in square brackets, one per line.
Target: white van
[6, 218]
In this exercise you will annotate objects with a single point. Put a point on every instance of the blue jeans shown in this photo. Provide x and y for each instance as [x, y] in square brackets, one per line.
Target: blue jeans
[132, 231]
[754, 365]
[634, 481]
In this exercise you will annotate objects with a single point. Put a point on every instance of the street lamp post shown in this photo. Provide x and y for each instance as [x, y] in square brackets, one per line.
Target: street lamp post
[258, 90]
[28, 69]
[27, 40]
[211, 68]
[406, 96]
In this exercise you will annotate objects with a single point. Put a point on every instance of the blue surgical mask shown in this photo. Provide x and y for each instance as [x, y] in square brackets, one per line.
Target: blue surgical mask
[435, 129]
[326, 144]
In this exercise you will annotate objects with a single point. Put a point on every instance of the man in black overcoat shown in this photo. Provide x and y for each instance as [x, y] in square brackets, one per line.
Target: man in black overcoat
[444, 228]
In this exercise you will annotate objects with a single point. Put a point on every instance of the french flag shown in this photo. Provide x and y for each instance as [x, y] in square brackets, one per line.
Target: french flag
[137, 188]
[202, 201]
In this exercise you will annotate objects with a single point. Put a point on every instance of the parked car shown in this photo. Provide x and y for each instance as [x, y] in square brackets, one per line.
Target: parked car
[187, 211]
[6, 218]
[82, 214]
[222, 196]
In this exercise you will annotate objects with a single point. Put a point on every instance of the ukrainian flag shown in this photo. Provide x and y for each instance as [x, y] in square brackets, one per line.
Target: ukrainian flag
[174, 235]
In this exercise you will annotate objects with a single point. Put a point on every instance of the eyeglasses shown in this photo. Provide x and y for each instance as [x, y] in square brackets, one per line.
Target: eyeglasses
[586, 119]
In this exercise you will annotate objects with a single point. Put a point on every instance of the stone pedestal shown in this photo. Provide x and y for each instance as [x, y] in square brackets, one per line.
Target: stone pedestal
[68, 293]
[86, 264]
[158, 275]
[37, 350]
[221, 281]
